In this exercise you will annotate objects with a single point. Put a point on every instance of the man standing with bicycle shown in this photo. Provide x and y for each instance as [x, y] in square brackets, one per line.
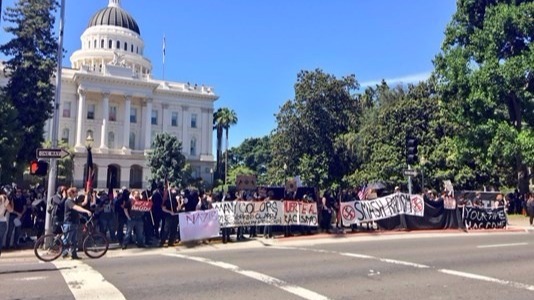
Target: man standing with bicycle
[71, 223]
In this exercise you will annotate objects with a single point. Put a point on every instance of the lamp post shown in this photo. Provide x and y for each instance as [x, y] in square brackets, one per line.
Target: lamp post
[285, 174]
[89, 140]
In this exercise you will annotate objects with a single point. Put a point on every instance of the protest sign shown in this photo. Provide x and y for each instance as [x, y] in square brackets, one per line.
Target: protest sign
[198, 225]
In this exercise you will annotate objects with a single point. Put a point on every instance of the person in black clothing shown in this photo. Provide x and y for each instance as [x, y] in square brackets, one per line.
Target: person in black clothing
[157, 211]
[171, 207]
[122, 198]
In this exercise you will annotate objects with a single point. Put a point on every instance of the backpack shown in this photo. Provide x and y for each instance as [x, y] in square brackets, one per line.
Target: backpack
[57, 209]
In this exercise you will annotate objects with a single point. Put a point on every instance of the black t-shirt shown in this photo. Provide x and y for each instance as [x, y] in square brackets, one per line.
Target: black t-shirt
[171, 203]
[18, 203]
[134, 214]
[157, 202]
[71, 215]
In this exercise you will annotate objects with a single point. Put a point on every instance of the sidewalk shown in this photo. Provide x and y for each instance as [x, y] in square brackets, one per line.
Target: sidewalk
[517, 223]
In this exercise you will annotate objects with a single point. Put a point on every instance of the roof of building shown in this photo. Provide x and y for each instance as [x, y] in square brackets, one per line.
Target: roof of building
[114, 15]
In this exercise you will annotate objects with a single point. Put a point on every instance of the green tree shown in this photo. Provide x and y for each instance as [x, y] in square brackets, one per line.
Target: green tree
[486, 78]
[224, 118]
[166, 161]
[254, 154]
[324, 109]
[30, 68]
[9, 139]
[218, 126]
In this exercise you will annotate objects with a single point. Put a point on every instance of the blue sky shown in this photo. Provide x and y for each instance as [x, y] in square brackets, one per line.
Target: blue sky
[252, 51]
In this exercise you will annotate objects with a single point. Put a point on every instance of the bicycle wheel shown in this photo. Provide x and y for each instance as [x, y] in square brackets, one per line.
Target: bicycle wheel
[48, 247]
[95, 245]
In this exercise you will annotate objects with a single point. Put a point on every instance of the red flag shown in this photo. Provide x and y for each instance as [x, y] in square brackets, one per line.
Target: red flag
[90, 176]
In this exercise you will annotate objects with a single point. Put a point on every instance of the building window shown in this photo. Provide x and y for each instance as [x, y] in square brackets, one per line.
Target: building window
[118, 45]
[131, 48]
[91, 111]
[113, 113]
[174, 119]
[154, 117]
[125, 46]
[193, 149]
[66, 109]
[94, 44]
[133, 115]
[102, 44]
[137, 49]
[110, 44]
[132, 141]
[65, 135]
[111, 140]
[194, 121]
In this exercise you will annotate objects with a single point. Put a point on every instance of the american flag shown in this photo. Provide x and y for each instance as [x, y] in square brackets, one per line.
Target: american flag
[362, 193]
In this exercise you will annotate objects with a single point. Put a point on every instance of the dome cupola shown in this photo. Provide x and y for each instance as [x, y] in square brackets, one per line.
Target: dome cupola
[114, 15]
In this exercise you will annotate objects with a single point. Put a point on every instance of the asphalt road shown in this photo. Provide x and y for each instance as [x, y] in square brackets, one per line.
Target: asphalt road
[407, 266]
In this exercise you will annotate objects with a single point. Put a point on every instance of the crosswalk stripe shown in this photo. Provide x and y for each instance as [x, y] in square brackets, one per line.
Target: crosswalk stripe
[85, 282]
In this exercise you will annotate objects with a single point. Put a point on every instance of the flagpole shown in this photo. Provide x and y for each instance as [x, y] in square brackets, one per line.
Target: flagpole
[164, 42]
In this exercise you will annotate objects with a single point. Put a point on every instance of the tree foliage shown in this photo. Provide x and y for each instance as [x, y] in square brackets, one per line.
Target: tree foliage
[485, 71]
[30, 68]
[166, 161]
[323, 110]
[254, 154]
[223, 119]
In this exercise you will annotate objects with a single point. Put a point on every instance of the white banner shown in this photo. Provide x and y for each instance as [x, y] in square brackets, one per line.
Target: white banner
[356, 212]
[300, 213]
[270, 212]
[199, 225]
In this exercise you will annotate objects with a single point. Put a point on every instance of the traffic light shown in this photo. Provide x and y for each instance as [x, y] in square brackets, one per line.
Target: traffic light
[411, 151]
[38, 168]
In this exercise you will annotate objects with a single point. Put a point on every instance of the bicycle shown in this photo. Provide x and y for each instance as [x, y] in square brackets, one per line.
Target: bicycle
[50, 246]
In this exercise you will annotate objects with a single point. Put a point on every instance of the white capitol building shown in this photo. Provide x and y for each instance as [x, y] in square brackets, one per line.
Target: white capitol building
[110, 95]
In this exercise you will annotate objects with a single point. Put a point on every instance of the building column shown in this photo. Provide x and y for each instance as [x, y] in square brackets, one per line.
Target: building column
[204, 131]
[105, 116]
[210, 132]
[185, 128]
[148, 124]
[164, 117]
[80, 118]
[126, 133]
[125, 177]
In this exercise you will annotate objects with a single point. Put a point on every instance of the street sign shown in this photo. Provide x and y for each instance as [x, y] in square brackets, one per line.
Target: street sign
[410, 172]
[51, 153]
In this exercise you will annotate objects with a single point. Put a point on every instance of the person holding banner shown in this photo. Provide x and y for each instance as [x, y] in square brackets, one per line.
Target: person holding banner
[134, 211]
[171, 208]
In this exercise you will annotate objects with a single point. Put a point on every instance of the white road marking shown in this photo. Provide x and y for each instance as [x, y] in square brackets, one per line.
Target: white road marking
[488, 279]
[85, 282]
[31, 278]
[502, 245]
[513, 284]
[293, 289]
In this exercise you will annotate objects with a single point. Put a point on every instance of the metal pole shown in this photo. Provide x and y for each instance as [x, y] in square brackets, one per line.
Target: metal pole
[55, 121]
[410, 181]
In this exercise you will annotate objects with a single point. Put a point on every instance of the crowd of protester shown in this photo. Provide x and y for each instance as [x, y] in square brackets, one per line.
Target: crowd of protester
[23, 212]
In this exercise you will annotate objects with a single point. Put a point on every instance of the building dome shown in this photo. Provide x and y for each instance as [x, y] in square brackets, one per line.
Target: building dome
[114, 15]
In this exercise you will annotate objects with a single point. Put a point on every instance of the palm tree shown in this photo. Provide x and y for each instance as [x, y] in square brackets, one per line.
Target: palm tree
[223, 119]
[218, 125]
